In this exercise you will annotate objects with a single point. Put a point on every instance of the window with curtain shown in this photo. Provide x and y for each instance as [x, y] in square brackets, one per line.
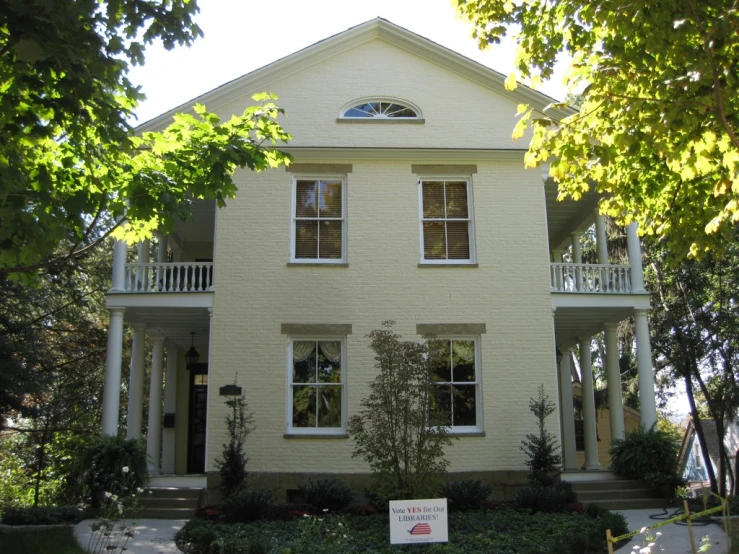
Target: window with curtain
[455, 401]
[446, 221]
[317, 391]
[319, 230]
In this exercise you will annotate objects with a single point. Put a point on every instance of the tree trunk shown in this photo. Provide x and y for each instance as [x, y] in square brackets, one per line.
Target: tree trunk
[699, 433]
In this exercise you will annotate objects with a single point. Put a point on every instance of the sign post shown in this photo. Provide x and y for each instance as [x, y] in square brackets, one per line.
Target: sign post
[414, 521]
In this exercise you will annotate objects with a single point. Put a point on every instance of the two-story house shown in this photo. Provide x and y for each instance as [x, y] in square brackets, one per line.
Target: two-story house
[407, 201]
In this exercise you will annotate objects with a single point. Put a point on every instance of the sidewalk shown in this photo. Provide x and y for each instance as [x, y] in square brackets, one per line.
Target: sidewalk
[675, 538]
[151, 536]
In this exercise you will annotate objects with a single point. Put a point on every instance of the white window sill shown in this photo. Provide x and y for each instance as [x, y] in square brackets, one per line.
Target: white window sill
[317, 435]
[448, 264]
[453, 433]
[317, 263]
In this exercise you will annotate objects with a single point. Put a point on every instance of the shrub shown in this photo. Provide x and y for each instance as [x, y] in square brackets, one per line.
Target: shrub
[642, 452]
[391, 431]
[245, 506]
[541, 448]
[327, 494]
[43, 515]
[114, 465]
[232, 464]
[196, 537]
[537, 498]
[665, 485]
[465, 495]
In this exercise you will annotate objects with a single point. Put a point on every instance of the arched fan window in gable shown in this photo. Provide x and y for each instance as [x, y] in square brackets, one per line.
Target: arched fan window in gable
[381, 109]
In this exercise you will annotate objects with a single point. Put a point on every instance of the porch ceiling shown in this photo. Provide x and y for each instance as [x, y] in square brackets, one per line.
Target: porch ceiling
[174, 323]
[573, 324]
[567, 216]
[201, 226]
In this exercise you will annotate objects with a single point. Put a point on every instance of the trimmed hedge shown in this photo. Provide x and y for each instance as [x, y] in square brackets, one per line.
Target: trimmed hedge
[43, 515]
[484, 532]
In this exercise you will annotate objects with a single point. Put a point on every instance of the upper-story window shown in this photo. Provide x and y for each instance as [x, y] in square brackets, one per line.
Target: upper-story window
[318, 222]
[447, 230]
[378, 109]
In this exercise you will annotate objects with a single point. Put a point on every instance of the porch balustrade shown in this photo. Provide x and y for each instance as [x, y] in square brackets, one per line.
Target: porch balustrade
[590, 278]
[169, 277]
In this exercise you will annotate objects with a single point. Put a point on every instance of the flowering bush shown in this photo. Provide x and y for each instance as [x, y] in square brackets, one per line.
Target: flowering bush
[102, 464]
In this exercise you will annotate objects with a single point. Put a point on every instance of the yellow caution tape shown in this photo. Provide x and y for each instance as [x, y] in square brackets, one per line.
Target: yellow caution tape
[674, 519]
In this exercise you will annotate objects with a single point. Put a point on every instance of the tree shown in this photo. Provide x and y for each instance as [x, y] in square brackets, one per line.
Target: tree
[71, 170]
[695, 334]
[232, 463]
[658, 130]
[391, 430]
[52, 348]
[541, 448]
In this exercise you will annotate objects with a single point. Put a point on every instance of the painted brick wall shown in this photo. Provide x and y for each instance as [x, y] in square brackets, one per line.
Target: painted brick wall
[256, 291]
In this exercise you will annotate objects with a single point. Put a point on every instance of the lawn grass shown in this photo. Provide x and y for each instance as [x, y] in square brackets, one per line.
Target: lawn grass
[49, 541]
[734, 537]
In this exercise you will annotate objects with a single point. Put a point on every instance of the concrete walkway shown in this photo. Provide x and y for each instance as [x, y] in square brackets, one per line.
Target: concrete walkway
[156, 536]
[675, 538]
[151, 536]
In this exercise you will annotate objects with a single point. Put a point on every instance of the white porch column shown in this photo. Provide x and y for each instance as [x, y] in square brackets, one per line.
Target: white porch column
[569, 448]
[170, 407]
[120, 252]
[136, 382]
[211, 389]
[112, 386]
[600, 239]
[577, 258]
[588, 407]
[615, 400]
[161, 248]
[154, 427]
[634, 248]
[647, 403]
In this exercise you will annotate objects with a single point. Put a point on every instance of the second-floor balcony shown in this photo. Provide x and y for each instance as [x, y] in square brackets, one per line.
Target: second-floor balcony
[590, 278]
[174, 277]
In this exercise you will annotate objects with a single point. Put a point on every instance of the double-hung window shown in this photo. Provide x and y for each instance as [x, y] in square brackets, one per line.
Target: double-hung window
[317, 386]
[319, 220]
[455, 373]
[447, 230]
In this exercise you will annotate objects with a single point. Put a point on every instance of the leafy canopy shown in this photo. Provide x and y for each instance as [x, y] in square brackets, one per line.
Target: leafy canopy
[657, 131]
[69, 161]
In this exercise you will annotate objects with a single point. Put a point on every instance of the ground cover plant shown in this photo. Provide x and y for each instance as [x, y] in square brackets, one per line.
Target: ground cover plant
[502, 531]
[51, 541]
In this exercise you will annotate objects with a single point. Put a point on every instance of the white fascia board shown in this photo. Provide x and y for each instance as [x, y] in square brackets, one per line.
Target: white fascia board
[160, 300]
[599, 300]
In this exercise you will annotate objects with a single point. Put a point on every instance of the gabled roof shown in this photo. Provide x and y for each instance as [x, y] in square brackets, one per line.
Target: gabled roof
[378, 28]
[731, 440]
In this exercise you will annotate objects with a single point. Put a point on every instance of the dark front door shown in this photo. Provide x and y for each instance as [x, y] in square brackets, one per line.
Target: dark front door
[196, 430]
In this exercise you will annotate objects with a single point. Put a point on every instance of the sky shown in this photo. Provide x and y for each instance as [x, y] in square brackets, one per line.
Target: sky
[244, 35]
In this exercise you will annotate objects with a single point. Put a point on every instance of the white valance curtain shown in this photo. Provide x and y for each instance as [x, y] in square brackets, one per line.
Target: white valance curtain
[303, 349]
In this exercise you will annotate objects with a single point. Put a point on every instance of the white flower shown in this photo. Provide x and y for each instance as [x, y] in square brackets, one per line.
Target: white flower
[645, 550]
[651, 544]
[124, 469]
[108, 494]
[636, 547]
[659, 533]
[643, 530]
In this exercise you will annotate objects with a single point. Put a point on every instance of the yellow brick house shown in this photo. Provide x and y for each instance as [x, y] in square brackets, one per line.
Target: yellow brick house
[407, 200]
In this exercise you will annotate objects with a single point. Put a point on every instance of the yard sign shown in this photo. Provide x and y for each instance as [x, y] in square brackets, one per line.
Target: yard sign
[414, 521]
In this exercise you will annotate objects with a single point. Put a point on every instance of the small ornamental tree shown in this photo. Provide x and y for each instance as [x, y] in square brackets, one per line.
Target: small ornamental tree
[232, 464]
[541, 448]
[391, 431]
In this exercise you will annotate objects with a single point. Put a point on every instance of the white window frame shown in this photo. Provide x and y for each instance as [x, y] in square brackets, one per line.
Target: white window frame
[470, 219]
[384, 99]
[289, 406]
[463, 429]
[294, 218]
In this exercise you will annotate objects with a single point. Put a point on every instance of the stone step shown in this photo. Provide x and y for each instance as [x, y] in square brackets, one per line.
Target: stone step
[163, 513]
[154, 502]
[632, 504]
[610, 484]
[173, 492]
[618, 494]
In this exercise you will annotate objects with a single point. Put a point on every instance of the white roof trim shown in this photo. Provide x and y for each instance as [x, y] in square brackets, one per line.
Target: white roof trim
[351, 38]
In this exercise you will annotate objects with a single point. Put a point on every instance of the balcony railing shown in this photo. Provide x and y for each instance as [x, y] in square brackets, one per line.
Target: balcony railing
[169, 277]
[591, 278]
